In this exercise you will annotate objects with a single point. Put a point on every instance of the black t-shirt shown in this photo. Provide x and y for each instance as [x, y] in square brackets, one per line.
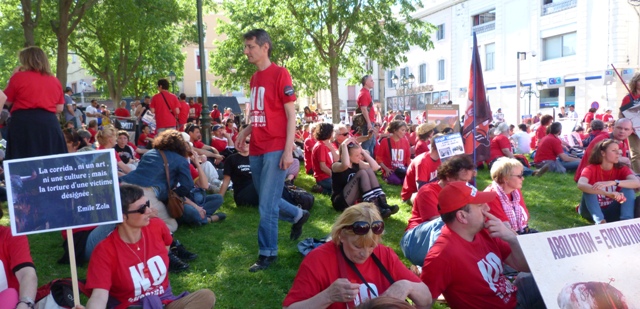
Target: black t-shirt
[125, 153]
[238, 168]
[339, 180]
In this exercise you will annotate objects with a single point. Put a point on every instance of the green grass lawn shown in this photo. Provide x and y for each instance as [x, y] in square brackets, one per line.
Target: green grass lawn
[227, 249]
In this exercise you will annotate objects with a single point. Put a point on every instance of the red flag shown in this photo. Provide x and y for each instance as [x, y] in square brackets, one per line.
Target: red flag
[475, 130]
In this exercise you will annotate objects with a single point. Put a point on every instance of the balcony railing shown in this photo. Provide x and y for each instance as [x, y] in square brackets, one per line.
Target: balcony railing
[558, 6]
[490, 26]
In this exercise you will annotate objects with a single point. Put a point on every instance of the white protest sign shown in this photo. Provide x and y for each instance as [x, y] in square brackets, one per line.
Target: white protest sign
[449, 146]
[633, 113]
[150, 119]
[58, 192]
[587, 267]
[567, 128]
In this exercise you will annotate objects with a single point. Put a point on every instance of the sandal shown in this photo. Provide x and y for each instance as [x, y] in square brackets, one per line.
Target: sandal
[221, 216]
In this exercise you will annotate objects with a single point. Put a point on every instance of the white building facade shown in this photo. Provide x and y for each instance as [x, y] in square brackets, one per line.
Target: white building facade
[565, 47]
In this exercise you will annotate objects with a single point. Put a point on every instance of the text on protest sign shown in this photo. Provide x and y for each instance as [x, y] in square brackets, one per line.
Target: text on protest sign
[57, 192]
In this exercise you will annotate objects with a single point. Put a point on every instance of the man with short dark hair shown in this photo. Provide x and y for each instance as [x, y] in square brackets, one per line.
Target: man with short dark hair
[465, 263]
[184, 111]
[92, 112]
[215, 114]
[365, 103]
[272, 129]
[166, 107]
[69, 113]
[522, 140]
[551, 153]
[201, 148]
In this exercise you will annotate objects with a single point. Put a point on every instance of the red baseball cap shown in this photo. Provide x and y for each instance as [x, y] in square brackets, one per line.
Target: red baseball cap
[458, 194]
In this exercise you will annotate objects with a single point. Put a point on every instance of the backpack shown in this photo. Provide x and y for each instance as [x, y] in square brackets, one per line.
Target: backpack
[59, 294]
[298, 197]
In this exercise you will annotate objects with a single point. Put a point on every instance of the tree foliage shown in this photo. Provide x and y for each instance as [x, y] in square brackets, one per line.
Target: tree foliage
[129, 44]
[290, 48]
[334, 37]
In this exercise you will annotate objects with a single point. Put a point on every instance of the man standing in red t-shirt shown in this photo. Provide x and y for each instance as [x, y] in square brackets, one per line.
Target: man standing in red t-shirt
[184, 111]
[273, 127]
[166, 107]
[465, 263]
[365, 103]
[215, 114]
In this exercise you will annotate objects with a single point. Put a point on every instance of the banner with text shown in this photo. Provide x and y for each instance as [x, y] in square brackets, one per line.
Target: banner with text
[449, 145]
[57, 192]
[587, 267]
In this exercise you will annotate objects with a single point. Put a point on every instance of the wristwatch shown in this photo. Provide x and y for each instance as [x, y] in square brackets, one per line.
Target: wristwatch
[617, 182]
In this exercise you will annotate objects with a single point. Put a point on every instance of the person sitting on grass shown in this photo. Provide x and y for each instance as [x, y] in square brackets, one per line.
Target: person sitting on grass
[425, 224]
[607, 186]
[354, 179]
[131, 264]
[424, 133]
[19, 279]
[322, 156]
[423, 169]
[473, 244]
[354, 267]
[393, 153]
[508, 206]
[308, 147]
[550, 154]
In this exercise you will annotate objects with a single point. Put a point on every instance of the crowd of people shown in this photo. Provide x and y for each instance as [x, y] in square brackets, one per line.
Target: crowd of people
[453, 228]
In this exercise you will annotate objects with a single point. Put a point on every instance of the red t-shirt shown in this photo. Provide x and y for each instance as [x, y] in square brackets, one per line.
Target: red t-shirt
[165, 118]
[425, 205]
[321, 153]
[421, 169]
[469, 274]
[319, 269]
[495, 208]
[624, 148]
[589, 117]
[398, 156]
[497, 144]
[627, 99]
[308, 158]
[364, 99]
[271, 89]
[421, 147]
[549, 148]
[122, 112]
[413, 138]
[595, 173]
[32, 90]
[193, 171]
[142, 140]
[541, 132]
[198, 144]
[184, 114]
[219, 144]
[215, 115]
[606, 118]
[130, 274]
[198, 109]
[14, 255]
[93, 135]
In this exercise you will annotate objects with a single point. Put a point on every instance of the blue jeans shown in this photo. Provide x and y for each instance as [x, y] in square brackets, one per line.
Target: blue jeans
[95, 237]
[211, 204]
[415, 243]
[570, 166]
[369, 145]
[326, 186]
[590, 208]
[268, 179]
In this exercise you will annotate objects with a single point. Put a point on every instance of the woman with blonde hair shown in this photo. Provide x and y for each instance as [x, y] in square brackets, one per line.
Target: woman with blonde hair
[509, 206]
[107, 138]
[354, 267]
[35, 97]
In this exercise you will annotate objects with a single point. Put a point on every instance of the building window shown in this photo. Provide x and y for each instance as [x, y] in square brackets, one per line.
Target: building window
[490, 51]
[553, 6]
[559, 46]
[484, 22]
[440, 34]
[403, 72]
[441, 69]
[423, 73]
[390, 74]
[199, 89]
[206, 59]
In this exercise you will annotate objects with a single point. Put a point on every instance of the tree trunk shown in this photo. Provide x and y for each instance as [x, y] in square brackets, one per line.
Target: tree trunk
[335, 98]
[29, 37]
[29, 24]
[63, 60]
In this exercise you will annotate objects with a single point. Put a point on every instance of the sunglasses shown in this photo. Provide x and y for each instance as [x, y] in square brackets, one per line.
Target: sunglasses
[362, 227]
[247, 142]
[521, 176]
[140, 210]
[344, 134]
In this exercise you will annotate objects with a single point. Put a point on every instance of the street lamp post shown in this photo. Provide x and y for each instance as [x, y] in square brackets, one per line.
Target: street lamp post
[530, 92]
[172, 78]
[406, 82]
[521, 56]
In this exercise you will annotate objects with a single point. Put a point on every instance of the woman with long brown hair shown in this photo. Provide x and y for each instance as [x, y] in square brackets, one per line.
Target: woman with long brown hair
[34, 96]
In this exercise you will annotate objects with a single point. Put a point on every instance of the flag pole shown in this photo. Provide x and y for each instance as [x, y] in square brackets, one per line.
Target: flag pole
[475, 99]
